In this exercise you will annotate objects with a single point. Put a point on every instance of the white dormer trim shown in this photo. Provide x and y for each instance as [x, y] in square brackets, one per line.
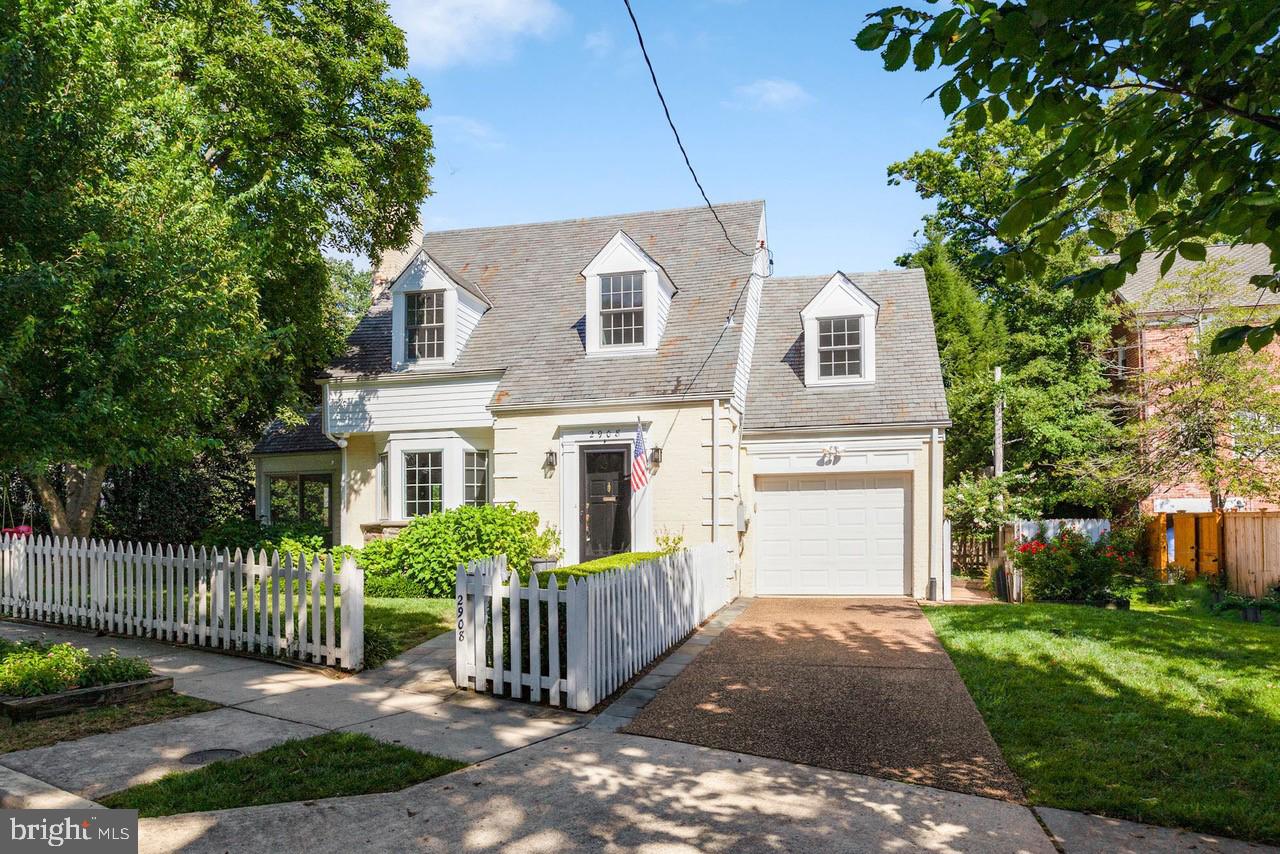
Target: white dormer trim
[462, 311]
[839, 297]
[623, 255]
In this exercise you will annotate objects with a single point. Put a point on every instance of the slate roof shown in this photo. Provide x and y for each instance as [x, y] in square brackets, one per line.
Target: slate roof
[534, 331]
[1242, 262]
[282, 439]
[908, 385]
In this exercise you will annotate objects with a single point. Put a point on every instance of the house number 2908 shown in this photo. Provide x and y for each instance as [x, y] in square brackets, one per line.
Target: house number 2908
[605, 434]
[462, 635]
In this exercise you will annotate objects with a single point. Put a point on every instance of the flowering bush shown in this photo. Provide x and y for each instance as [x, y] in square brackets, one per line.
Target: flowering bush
[1071, 567]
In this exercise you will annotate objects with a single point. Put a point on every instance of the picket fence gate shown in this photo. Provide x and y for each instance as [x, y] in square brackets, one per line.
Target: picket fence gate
[251, 602]
[576, 644]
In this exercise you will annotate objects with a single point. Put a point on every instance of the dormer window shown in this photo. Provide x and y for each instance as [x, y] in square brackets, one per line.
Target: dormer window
[839, 326]
[628, 298]
[434, 310]
[622, 309]
[424, 325]
[840, 347]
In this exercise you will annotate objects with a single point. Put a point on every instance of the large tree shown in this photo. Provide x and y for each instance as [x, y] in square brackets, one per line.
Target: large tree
[169, 176]
[1168, 110]
[1195, 415]
[1051, 341]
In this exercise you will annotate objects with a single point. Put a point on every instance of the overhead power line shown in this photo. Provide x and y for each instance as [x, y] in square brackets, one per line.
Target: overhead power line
[653, 76]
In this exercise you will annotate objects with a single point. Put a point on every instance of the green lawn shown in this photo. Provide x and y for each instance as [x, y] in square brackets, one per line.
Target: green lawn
[87, 722]
[324, 766]
[1162, 714]
[410, 621]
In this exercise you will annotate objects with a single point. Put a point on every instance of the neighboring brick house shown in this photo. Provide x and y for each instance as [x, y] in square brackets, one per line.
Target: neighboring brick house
[1158, 329]
[800, 422]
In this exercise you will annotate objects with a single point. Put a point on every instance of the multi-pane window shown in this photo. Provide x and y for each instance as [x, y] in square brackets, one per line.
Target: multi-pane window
[477, 478]
[424, 325]
[301, 498]
[840, 347]
[621, 309]
[423, 483]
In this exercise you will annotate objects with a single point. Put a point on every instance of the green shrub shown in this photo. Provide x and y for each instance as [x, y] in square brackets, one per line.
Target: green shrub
[394, 586]
[603, 564]
[32, 669]
[430, 548]
[1069, 567]
[297, 538]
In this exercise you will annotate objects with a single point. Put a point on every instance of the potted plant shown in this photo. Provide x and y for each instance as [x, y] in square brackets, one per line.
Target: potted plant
[547, 551]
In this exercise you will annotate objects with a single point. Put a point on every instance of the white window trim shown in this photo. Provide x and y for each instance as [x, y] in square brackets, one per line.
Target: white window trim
[839, 297]
[421, 275]
[452, 448]
[623, 255]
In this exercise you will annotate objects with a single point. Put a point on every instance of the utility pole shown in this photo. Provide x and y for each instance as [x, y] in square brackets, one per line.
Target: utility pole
[999, 437]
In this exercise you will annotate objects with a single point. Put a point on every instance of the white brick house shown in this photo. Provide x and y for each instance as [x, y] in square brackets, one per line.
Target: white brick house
[798, 421]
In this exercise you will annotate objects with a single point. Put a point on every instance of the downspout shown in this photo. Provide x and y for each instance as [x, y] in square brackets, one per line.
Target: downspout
[715, 470]
[936, 590]
[342, 471]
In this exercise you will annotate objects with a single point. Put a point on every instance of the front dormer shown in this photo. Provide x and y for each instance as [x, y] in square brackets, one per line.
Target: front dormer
[433, 312]
[839, 335]
[628, 297]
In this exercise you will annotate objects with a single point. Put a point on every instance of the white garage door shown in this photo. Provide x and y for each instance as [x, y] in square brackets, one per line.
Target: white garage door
[833, 535]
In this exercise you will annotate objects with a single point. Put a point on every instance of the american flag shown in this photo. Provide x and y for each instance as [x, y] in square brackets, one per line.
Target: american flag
[639, 465]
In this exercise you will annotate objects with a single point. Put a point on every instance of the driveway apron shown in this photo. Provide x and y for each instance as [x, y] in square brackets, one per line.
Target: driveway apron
[858, 685]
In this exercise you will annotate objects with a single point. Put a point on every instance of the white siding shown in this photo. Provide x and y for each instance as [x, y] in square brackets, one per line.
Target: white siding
[433, 404]
[662, 307]
[468, 315]
[750, 321]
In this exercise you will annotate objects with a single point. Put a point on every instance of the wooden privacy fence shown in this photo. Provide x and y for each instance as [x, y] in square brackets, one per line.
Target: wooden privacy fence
[1251, 551]
[245, 602]
[576, 644]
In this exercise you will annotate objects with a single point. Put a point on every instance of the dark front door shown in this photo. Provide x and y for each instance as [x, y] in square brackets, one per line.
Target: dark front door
[606, 501]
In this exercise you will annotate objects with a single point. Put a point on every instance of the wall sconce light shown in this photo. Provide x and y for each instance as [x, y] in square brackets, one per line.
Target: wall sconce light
[550, 461]
[655, 456]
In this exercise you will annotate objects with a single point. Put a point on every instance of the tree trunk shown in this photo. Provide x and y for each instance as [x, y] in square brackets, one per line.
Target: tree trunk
[72, 517]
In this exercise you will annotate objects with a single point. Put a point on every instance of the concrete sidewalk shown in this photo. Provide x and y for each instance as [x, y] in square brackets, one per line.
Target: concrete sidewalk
[410, 701]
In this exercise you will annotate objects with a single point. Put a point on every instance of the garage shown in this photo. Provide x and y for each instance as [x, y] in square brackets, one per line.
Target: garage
[831, 535]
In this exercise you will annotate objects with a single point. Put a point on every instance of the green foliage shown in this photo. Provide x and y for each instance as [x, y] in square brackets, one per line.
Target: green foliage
[428, 551]
[379, 644]
[393, 586]
[547, 544]
[1167, 112]
[296, 538]
[669, 543]
[604, 564]
[170, 174]
[979, 505]
[1200, 415]
[33, 670]
[1050, 341]
[1069, 567]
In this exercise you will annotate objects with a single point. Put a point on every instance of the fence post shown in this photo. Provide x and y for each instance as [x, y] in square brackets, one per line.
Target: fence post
[578, 655]
[352, 614]
[462, 628]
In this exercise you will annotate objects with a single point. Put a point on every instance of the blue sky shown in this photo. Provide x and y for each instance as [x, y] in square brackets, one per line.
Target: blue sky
[543, 109]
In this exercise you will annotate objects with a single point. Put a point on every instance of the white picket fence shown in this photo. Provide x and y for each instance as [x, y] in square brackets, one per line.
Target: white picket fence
[576, 644]
[245, 602]
[1029, 529]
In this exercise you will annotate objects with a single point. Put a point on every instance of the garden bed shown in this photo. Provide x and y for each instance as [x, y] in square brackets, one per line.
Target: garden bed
[66, 702]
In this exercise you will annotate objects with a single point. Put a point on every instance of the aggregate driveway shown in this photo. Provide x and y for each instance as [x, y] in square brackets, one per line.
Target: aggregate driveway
[859, 685]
